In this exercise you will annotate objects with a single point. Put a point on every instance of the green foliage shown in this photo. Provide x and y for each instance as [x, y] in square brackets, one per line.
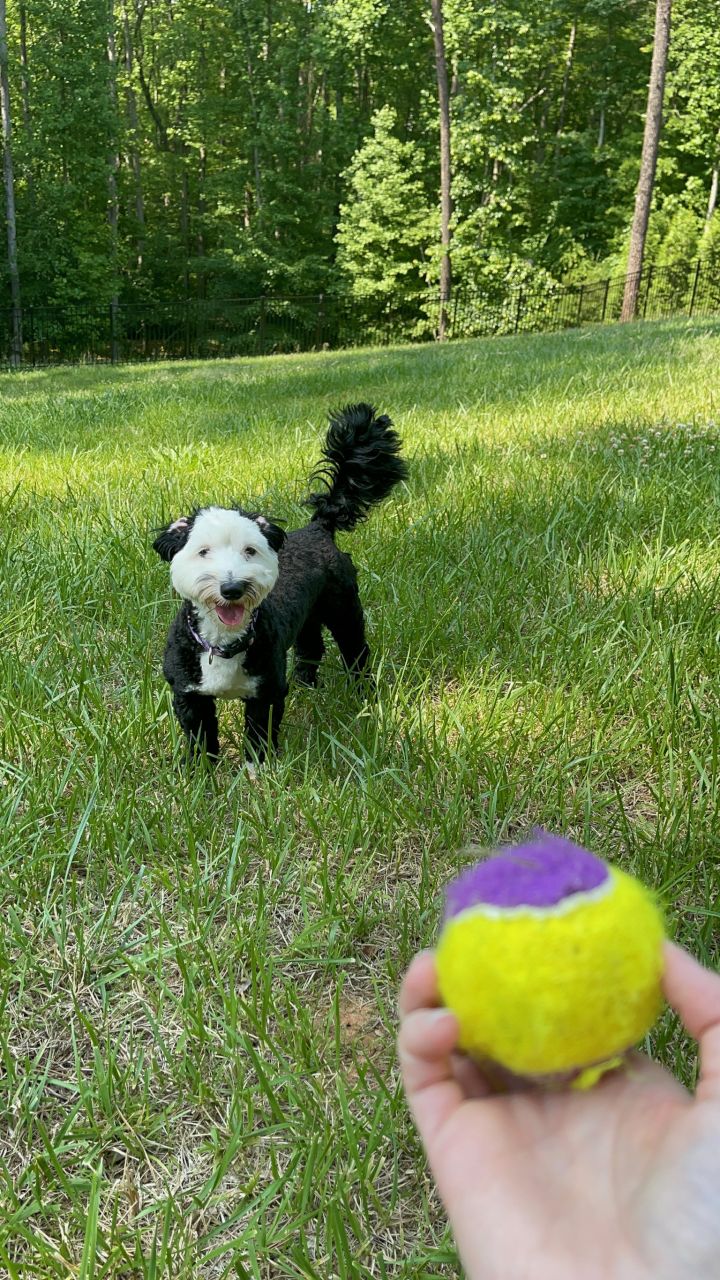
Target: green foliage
[709, 255]
[680, 243]
[62, 163]
[693, 117]
[238, 136]
[385, 227]
[675, 261]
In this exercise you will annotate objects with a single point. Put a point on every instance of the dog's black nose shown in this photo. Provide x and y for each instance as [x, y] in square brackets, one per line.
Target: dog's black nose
[233, 590]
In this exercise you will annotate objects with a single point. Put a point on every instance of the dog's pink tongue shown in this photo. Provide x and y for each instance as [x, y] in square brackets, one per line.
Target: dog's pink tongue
[231, 614]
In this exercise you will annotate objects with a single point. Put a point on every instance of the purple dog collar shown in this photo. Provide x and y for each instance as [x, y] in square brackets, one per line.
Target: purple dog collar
[229, 650]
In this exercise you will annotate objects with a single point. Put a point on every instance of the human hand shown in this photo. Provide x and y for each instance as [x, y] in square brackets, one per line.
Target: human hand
[618, 1183]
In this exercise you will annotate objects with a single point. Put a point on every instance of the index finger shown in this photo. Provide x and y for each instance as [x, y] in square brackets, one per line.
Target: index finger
[419, 988]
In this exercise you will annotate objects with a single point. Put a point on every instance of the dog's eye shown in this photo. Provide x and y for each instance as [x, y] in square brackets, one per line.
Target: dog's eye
[203, 551]
[251, 551]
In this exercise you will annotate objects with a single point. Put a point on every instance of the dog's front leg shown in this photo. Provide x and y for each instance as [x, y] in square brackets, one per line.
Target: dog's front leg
[262, 724]
[198, 720]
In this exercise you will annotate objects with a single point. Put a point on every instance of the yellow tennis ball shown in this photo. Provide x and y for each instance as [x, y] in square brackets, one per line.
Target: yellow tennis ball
[551, 960]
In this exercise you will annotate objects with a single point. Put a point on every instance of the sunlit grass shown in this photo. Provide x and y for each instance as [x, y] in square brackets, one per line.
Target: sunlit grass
[198, 973]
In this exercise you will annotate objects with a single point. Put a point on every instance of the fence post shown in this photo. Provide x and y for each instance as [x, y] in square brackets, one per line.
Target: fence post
[648, 286]
[113, 333]
[31, 327]
[261, 334]
[187, 329]
[518, 310]
[456, 300]
[693, 295]
[605, 298]
[318, 327]
[17, 337]
[581, 295]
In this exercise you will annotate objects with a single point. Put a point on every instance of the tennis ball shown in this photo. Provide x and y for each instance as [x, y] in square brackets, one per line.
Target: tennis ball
[551, 961]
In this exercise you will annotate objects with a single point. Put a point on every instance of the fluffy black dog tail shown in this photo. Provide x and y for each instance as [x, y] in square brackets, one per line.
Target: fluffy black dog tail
[361, 463]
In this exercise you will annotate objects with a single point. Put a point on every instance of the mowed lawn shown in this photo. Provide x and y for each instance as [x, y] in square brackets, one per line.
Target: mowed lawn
[198, 972]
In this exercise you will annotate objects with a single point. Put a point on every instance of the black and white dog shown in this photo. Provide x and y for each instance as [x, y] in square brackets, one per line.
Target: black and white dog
[251, 592]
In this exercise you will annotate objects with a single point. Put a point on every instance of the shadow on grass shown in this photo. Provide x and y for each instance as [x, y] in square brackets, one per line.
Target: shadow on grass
[221, 399]
[532, 575]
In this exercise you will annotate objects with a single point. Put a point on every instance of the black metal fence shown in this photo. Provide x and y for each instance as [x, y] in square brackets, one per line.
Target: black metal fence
[196, 330]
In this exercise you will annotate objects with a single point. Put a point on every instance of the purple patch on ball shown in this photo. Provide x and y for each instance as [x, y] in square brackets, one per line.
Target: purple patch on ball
[539, 874]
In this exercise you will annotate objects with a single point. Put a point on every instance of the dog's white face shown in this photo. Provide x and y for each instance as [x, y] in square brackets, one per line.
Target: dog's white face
[226, 567]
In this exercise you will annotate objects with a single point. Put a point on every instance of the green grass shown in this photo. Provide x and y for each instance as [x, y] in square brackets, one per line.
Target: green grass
[198, 974]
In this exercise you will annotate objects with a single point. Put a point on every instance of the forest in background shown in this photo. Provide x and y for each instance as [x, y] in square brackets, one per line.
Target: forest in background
[170, 149]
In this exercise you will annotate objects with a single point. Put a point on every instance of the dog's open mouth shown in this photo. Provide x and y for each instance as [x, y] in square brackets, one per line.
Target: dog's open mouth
[232, 615]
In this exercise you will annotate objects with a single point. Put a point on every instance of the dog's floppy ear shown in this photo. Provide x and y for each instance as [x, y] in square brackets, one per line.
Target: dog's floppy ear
[274, 535]
[172, 537]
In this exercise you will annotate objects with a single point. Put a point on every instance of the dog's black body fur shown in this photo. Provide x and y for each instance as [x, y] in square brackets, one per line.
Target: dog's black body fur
[316, 589]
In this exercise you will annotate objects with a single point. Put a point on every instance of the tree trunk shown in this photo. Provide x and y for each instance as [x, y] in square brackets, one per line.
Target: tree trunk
[24, 75]
[712, 198]
[113, 169]
[648, 161]
[185, 222]
[445, 165]
[566, 84]
[132, 116]
[16, 350]
[202, 277]
[25, 99]
[257, 133]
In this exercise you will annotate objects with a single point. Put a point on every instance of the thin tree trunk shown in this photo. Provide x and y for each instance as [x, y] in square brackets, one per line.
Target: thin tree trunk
[566, 84]
[132, 115]
[9, 192]
[181, 150]
[601, 127]
[173, 146]
[113, 169]
[712, 199]
[648, 161]
[185, 220]
[202, 278]
[254, 110]
[24, 75]
[490, 182]
[25, 98]
[445, 165]
[155, 115]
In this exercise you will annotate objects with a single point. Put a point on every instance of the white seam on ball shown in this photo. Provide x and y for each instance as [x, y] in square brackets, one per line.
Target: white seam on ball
[574, 900]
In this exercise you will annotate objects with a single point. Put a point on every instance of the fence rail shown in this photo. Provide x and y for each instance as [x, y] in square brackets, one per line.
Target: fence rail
[122, 332]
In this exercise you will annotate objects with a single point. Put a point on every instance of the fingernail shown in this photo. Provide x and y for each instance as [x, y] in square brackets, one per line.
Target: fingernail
[435, 1015]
